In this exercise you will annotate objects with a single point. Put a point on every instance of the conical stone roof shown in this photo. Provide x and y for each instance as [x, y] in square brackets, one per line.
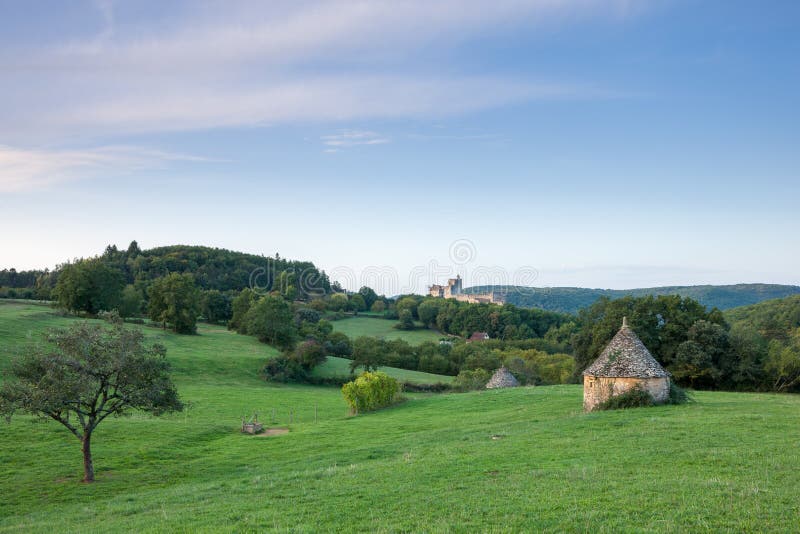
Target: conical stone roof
[626, 356]
[502, 378]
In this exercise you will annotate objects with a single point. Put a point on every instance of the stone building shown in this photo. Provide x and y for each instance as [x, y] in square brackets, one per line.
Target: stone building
[624, 364]
[502, 378]
[454, 290]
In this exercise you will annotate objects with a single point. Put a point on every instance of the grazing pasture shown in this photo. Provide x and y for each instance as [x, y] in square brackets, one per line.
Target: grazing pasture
[502, 460]
[359, 326]
[339, 367]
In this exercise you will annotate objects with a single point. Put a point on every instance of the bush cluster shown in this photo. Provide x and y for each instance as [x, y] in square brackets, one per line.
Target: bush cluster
[638, 397]
[635, 397]
[471, 380]
[371, 391]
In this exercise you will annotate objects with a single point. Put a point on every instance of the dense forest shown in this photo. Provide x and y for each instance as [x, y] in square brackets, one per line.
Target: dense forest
[572, 299]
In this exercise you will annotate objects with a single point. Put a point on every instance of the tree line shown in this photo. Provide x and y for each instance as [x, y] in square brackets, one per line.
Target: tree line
[750, 349]
[755, 348]
[212, 268]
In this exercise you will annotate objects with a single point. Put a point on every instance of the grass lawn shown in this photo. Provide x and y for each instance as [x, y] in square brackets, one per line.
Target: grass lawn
[341, 367]
[505, 460]
[376, 327]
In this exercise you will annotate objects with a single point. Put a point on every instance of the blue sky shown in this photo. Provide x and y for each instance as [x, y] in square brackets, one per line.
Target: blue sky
[558, 142]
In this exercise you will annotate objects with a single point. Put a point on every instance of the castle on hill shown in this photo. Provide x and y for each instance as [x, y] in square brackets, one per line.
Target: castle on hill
[453, 290]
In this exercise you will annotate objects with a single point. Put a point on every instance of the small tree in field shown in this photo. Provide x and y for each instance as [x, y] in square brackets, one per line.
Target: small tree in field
[89, 373]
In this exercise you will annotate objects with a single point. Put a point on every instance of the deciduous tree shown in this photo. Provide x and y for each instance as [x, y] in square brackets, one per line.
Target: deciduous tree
[175, 301]
[88, 374]
[89, 286]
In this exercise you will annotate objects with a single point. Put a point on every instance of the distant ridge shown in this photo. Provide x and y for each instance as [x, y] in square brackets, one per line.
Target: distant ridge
[572, 299]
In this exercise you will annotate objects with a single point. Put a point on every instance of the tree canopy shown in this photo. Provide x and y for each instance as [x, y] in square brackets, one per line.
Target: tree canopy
[87, 374]
[175, 302]
[89, 286]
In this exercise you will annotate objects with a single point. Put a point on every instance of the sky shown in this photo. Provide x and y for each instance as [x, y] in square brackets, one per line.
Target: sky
[590, 143]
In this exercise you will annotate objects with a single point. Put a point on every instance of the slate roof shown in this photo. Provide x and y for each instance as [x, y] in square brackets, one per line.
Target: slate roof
[626, 356]
[502, 378]
[478, 336]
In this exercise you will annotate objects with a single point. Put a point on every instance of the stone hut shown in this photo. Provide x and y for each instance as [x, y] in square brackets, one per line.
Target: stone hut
[502, 378]
[624, 364]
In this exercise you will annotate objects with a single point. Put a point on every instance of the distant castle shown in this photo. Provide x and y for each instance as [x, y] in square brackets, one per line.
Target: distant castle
[453, 290]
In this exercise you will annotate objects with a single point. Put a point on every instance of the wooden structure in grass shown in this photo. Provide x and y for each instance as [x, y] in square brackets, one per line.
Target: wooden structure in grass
[252, 426]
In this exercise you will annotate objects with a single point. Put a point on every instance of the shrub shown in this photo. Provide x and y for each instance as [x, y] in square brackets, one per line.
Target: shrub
[471, 380]
[284, 369]
[371, 391]
[306, 315]
[436, 387]
[677, 395]
[635, 397]
[338, 344]
[406, 320]
[309, 354]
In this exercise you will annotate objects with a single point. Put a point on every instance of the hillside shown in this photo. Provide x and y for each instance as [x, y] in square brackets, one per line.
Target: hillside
[572, 299]
[355, 327]
[776, 317]
[213, 268]
[516, 460]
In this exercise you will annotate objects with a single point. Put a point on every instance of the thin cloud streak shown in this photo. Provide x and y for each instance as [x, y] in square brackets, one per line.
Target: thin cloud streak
[351, 138]
[234, 65]
[25, 170]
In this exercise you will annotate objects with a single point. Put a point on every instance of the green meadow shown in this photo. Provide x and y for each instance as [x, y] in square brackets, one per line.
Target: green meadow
[506, 460]
[359, 326]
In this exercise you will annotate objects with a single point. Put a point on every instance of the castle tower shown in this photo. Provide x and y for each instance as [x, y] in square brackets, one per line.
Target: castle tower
[455, 285]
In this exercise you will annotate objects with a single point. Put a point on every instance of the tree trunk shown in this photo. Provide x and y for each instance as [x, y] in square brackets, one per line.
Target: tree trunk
[88, 467]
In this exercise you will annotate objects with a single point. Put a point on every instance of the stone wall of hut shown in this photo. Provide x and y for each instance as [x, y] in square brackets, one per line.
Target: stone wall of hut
[597, 389]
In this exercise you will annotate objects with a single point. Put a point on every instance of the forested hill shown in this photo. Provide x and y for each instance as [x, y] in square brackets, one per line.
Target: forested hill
[773, 318]
[572, 299]
[213, 269]
[216, 268]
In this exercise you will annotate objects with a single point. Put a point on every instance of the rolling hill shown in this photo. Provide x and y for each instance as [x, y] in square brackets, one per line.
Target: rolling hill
[516, 460]
[572, 299]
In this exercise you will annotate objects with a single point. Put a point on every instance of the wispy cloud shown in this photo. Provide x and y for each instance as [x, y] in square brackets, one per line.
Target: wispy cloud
[244, 64]
[23, 170]
[351, 138]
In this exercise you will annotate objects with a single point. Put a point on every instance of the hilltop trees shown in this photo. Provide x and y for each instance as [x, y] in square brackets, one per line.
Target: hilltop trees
[175, 301]
[88, 374]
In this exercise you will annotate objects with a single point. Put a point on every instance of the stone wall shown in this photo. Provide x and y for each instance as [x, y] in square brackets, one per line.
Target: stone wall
[597, 389]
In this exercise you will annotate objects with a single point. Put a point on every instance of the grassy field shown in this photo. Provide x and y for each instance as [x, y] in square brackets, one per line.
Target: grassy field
[376, 327]
[507, 460]
[341, 367]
